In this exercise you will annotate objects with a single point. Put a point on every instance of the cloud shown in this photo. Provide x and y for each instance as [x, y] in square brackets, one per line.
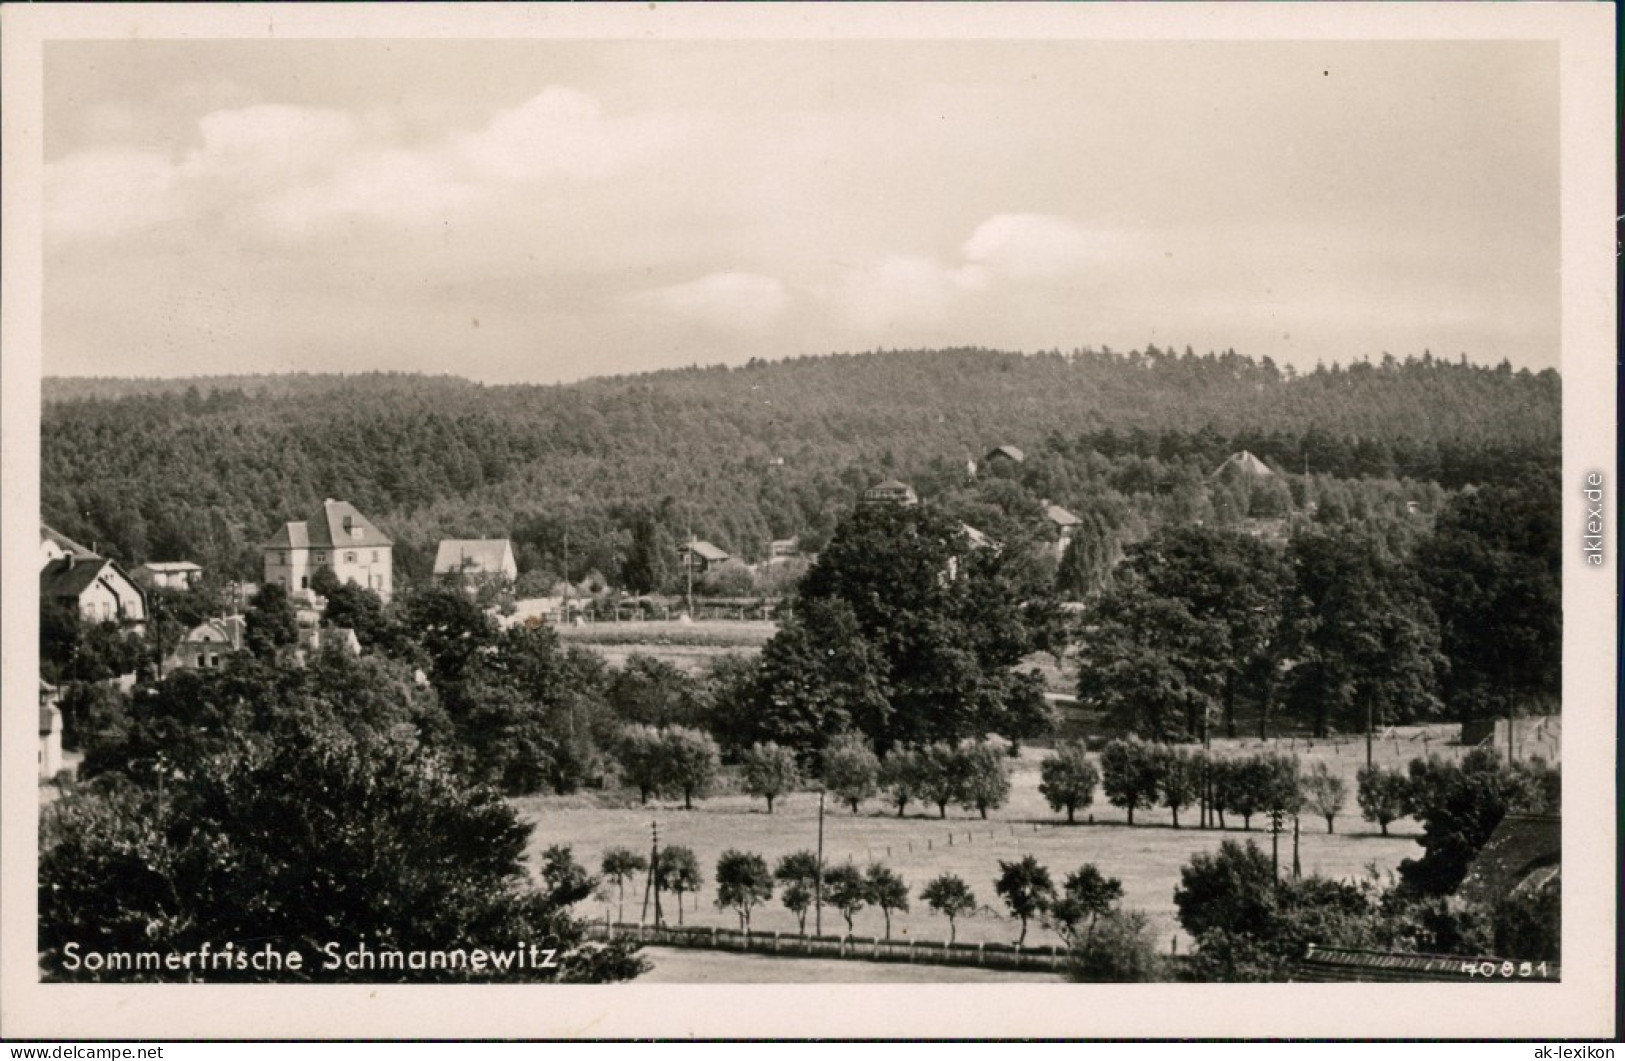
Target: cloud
[902, 291]
[562, 132]
[108, 193]
[727, 300]
[1033, 246]
[289, 170]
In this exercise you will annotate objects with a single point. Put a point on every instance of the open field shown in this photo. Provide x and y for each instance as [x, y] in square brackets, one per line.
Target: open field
[689, 647]
[1147, 857]
[684, 965]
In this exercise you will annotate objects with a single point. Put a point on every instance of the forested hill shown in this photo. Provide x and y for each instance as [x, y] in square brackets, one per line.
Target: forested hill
[206, 468]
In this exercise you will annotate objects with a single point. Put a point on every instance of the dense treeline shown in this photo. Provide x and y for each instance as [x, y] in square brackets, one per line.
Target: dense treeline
[207, 469]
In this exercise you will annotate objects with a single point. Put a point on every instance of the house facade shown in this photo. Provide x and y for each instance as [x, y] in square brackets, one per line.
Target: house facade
[891, 492]
[476, 558]
[702, 556]
[337, 538]
[94, 586]
[168, 574]
[50, 732]
[206, 646]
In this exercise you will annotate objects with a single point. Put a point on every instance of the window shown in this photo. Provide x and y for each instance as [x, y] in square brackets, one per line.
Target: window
[282, 558]
[304, 581]
[375, 556]
[349, 558]
[321, 558]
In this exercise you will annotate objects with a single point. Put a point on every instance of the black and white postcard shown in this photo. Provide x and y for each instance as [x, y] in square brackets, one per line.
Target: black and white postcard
[809, 520]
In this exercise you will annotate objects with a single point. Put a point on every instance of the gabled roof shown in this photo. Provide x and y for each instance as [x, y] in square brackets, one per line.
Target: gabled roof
[1242, 463]
[228, 631]
[484, 555]
[705, 551]
[1521, 847]
[70, 576]
[1060, 516]
[1010, 452]
[978, 540]
[65, 543]
[326, 530]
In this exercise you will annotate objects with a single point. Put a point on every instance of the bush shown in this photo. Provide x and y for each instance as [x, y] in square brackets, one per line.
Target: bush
[1232, 890]
[1120, 950]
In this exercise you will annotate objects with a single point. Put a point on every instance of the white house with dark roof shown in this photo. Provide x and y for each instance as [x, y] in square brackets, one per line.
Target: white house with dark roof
[94, 586]
[337, 537]
[207, 645]
[168, 574]
[476, 558]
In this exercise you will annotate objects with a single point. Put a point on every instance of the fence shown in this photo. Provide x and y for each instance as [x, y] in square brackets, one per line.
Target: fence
[854, 948]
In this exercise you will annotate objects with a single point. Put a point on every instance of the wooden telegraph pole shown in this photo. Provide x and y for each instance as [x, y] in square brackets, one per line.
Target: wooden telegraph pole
[818, 877]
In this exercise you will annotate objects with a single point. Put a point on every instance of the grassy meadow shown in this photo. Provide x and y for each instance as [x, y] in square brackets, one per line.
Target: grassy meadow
[1146, 857]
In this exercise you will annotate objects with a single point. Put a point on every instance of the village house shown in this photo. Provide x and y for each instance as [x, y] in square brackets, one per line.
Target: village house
[337, 538]
[891, 492]
[1242, 464]
[1004, 453]
[206, 645]
[94, 586]
[1064, 523]
[168, 574]
[702, 556]
[476, 558]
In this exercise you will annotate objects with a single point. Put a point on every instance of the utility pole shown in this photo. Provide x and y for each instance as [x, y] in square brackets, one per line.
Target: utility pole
[818, 877]
[1368, 732]
[688, 572]
[1297, 866]
[567, 574]
[1275, 845]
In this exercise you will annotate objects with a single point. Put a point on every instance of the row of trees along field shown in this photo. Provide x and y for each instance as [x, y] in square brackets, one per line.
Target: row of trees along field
[625, 467]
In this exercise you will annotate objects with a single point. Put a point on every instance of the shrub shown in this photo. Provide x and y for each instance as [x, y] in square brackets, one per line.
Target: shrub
[1120, 950]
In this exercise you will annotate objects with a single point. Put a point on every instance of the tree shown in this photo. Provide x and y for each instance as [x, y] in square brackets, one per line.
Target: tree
[678, 871]
[769, 771]
[1382, 795]
[692, 762]
[951, 897]
[946, 621]
[652, 692]
[900, 777]
[1324, 793]
[269, 621]
[619, 864]
[1248, 787]
[1231, 890]
[798, 875]
[851, 769]
[1086, 897]
[940, 778]
[333, 844]
[360, 609]
[818, 678]
[1180, 779]
[1068, 778]
[847, 891]
[1364, 638]
[1121, 949]
[985, 783]
[1493, 570]
[1130, 774]
[743, 883]
[648, 564]
[1459, 806]
[887, 891]
[1027, 890]
[641, 752]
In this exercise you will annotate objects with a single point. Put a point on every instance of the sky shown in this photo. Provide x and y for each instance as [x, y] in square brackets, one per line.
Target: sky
[543, 211]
